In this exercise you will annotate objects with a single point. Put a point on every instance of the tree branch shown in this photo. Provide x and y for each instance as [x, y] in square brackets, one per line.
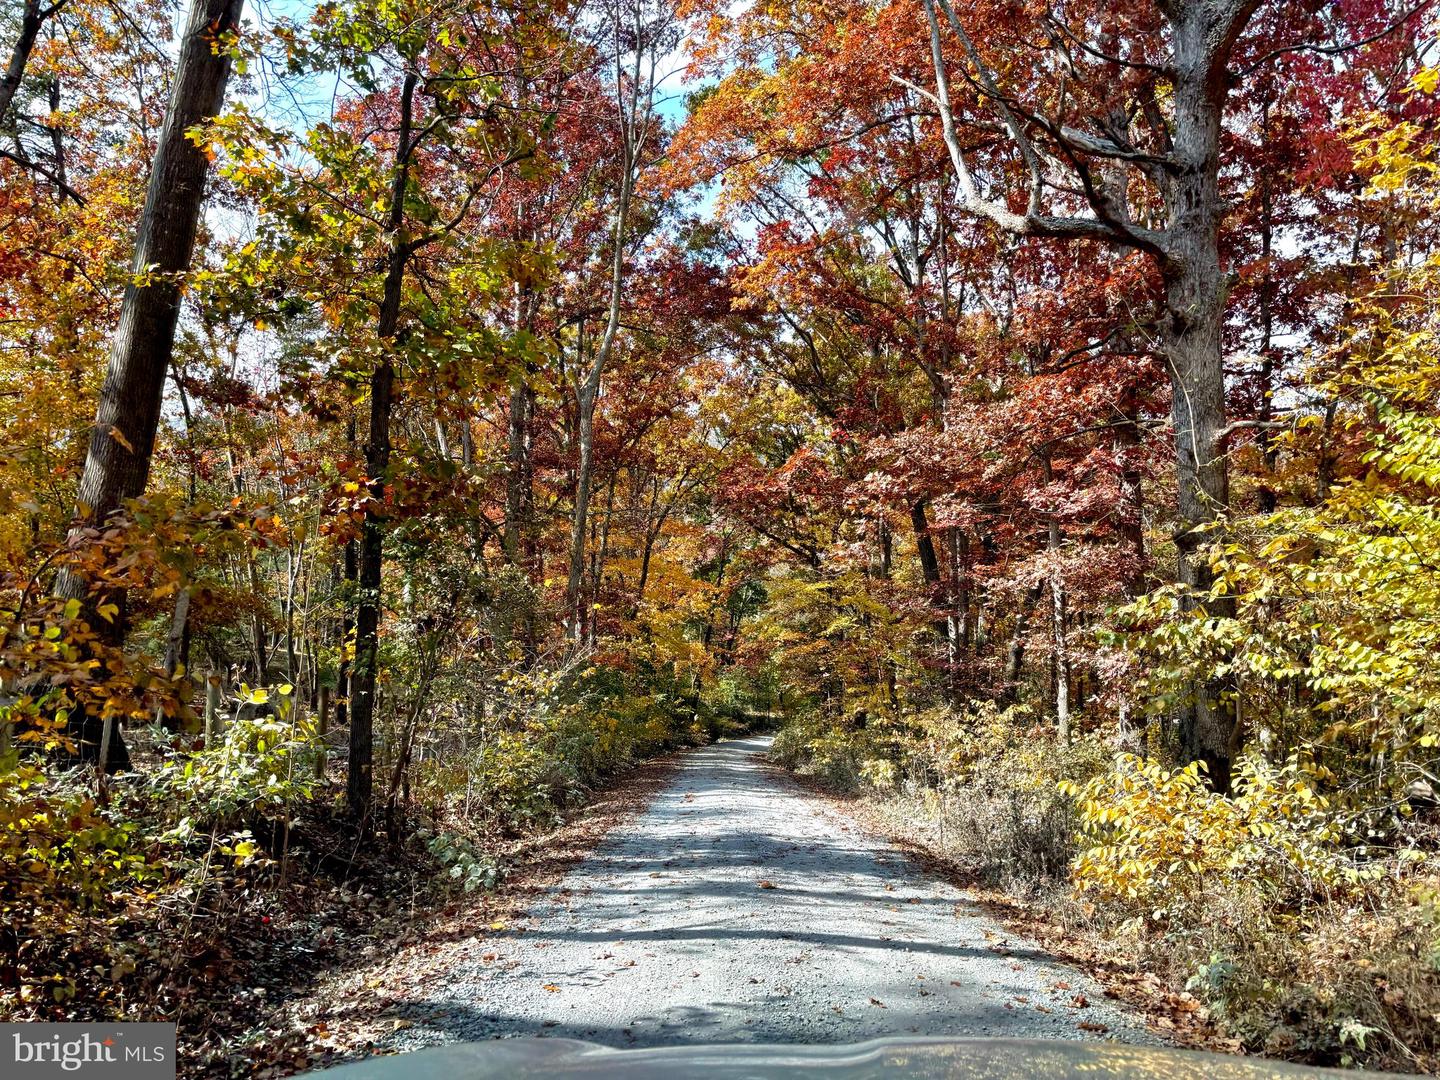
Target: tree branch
[1337, 49]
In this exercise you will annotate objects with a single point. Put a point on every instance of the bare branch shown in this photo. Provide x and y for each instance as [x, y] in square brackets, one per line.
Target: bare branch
[1032, 222]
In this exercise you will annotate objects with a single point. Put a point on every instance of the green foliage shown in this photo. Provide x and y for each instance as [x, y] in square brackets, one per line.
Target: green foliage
[467, 867]
[261, 765]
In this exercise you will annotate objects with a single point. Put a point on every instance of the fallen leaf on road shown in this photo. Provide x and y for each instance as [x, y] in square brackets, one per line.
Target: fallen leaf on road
[551, 988]
[766, 884]
[1086, 1025]
[878, 1002]
[1080, 1001]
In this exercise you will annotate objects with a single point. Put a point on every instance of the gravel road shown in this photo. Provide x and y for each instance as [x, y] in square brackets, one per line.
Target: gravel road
[740, 909]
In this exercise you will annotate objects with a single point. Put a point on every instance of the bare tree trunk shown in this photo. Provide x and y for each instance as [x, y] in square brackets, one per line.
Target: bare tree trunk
[1062, 652]
[350, 577]
[1269, 451]
[1060, 656]
[1131, 528]
[123, 438]
[1015, 653]
[599, 553]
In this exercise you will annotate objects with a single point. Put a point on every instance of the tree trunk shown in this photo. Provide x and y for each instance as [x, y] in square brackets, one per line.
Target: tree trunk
[359, 781]
[585, 437]
[930, 570]
[1195, 292]
[31, 20]
[1131, 527]
[1015, 653]
[1269, 451]
[117, 466]
[517, 472]
[587, 393]
[1060, 655]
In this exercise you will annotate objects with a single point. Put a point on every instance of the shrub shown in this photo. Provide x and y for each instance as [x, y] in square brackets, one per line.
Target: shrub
[1160, 837]
[1301, 946]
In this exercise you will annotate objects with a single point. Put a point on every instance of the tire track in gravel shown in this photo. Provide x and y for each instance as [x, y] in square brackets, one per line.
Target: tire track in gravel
[738, 908]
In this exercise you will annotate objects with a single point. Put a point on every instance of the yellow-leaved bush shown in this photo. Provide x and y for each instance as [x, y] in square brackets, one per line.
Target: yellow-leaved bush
[1153, 837]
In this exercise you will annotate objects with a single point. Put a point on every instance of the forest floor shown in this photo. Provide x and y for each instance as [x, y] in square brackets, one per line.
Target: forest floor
[737, 907]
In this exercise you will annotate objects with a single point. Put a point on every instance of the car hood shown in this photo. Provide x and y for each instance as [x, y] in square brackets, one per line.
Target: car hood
[879, 1059]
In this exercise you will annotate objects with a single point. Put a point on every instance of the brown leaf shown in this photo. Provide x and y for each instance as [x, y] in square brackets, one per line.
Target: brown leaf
[765, 884]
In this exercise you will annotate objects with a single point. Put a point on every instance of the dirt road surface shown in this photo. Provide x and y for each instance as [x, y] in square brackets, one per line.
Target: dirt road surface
[739, 908]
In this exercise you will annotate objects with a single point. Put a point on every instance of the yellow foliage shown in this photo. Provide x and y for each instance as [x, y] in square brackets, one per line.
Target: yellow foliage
[1156, 837]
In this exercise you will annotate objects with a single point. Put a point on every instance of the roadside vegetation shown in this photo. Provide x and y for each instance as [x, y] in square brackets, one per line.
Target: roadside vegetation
[411, 415]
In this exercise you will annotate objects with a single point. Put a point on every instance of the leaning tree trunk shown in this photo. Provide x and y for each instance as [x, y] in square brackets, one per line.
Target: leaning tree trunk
[1195, 293]
[117, 467]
